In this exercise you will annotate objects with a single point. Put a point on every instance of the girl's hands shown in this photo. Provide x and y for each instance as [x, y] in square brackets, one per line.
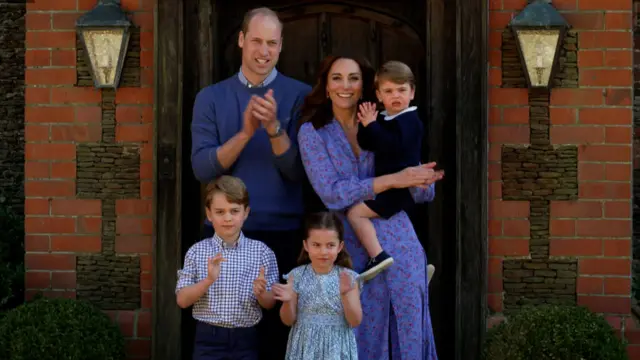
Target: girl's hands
[284, 292]
[346, 283]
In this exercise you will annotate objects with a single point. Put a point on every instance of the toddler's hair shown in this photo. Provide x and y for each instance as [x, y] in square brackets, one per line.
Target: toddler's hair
[232, 187]
[395, 71]
[326, 220]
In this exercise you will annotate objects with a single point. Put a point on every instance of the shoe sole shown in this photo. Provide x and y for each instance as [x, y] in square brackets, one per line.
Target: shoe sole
[430, 271]
[371, 273]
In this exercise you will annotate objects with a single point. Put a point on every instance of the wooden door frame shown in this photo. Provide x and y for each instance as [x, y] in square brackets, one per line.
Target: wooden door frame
[457, 91]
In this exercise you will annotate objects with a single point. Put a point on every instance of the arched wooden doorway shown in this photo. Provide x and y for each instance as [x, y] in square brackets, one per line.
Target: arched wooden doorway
[312, 32]
[442, 40]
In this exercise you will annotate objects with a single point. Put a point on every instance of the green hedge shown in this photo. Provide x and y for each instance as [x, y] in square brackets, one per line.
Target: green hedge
[546, 332]
[59, 329]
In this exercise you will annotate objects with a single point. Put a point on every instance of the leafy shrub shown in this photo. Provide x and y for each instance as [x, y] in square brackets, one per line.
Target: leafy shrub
[554, 332]
[11, 258]
[55, 329]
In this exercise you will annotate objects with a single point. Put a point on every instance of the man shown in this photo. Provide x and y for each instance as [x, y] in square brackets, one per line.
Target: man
[245, 126]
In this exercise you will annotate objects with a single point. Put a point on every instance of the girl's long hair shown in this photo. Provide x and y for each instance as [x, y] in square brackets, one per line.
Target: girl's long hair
[326, 220]
[316, 108]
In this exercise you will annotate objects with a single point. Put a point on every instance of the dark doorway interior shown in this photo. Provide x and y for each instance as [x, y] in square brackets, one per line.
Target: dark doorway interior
[376, 30]
[190, 48]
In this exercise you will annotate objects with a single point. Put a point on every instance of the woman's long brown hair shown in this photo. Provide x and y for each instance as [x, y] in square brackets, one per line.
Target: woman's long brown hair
[316, 108]
[326, 220]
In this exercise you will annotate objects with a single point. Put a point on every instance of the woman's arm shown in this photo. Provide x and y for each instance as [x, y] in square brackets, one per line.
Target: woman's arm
[422, 195]
[335, 191]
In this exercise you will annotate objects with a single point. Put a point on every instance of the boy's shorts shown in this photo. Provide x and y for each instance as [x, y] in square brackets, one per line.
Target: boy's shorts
[215, 342]
[390, 202]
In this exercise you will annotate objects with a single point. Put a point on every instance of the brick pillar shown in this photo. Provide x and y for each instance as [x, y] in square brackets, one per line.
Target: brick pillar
[76, 210]
[589, 108]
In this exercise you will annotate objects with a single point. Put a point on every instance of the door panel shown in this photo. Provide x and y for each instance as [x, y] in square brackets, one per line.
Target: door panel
[354, 36]
[316, 31]
[300, 48]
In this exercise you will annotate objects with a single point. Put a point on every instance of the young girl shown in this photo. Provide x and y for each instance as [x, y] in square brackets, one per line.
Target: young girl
[321, 299]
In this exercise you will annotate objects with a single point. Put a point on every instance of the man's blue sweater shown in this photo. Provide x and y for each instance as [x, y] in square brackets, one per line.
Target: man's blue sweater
[274, 182]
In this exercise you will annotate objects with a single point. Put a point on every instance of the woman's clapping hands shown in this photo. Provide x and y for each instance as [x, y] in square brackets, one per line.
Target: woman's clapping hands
[420, 176]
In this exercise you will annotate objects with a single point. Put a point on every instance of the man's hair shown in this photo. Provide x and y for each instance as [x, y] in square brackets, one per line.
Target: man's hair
[395, 71]
[232, 187]
[261, 11]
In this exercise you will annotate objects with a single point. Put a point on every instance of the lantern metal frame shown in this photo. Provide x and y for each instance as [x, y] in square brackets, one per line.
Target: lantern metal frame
[106, 15]
[539, 15]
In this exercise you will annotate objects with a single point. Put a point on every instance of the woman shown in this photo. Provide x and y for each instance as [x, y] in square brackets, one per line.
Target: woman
[341, 175]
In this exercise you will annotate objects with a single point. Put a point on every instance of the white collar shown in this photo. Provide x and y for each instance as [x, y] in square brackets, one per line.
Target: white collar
[391, 117]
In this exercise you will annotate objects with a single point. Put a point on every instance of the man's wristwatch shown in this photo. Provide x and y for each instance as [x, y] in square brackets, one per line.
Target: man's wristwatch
[279, 131]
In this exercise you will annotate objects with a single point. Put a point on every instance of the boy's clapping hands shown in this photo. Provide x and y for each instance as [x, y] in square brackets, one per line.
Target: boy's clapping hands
[265, 298]
[260, 284]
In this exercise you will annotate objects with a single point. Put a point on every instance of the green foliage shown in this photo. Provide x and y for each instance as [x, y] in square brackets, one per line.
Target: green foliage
[56, 329]
[11, 258]
[546, 332]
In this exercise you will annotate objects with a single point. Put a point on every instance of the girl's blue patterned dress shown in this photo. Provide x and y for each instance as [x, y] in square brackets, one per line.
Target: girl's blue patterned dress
[395, 304]
[321, 331]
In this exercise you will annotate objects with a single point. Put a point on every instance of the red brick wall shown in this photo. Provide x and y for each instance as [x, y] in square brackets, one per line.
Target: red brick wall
[596, 117]
[59, 116]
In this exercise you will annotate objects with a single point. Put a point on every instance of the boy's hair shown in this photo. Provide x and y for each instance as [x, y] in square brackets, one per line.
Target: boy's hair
[232, 187]
[395, 71]
[326, 220]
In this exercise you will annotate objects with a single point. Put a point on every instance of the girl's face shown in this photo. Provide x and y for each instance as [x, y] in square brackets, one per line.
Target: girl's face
[323, 246]
[344, 83]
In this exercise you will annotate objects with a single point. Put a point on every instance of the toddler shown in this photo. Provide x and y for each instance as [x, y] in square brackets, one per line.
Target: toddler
[396, 141]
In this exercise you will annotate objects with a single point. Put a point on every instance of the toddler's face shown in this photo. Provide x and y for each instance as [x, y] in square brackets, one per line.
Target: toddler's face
[323, 247]
[395, 97]
[227, 218]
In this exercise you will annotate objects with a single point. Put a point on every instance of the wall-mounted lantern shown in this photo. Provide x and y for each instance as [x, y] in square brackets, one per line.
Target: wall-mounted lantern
[104, 32]
[539, 31]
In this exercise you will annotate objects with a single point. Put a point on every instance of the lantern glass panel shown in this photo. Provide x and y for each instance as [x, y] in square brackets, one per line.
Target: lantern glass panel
[538, 49]
[103, 45]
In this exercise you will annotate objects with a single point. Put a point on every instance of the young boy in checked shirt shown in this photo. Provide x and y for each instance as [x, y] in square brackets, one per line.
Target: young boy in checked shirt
[227, 278]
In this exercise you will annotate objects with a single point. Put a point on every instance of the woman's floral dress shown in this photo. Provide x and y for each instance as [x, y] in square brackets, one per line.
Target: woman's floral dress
[396, 322]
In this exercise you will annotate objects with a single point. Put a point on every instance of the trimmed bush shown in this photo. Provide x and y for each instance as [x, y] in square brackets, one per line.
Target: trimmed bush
[554, 332]
[56, 329]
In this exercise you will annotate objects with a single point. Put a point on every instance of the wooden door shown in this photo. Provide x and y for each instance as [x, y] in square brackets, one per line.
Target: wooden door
[443, 41]
[312, 32]
[378, 31]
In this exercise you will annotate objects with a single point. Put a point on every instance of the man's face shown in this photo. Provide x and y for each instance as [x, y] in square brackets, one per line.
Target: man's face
[261, 46]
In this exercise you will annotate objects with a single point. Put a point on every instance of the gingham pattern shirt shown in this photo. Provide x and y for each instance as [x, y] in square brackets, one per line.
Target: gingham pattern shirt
[229, 302]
